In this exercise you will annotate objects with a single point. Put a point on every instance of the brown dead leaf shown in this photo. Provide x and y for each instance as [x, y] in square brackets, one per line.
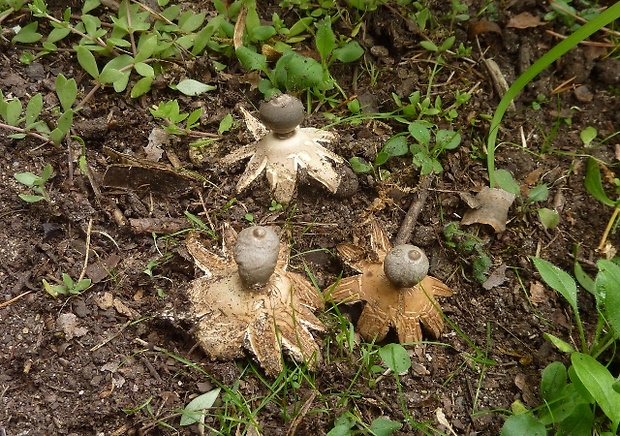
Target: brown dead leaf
[583, 94]
[482, 26]
[124, 310]
[138, 295]
[100, 270]
[593, 52]
[105, 301]
[533, 176]
[496, 278]
[538, 294]
[492, 209]
[157, 139]
[523, 382]
[499, 80]
[524, 20]
[68, 323]
[239, 28]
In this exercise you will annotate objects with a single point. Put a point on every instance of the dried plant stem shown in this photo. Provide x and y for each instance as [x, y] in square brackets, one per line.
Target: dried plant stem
[13, 300]
[88, 232]
[302, 413]
[610, 224]
[409, 222]
[20, 130]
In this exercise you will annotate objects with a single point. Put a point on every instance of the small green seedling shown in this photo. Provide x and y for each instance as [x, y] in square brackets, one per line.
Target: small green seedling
[36, 184]
[441, 48]
[349, 424]
[149, 270]
[395, 146]
[31, 124]
[469, 245]
[588, 135]
[275, 206]
[573, 397]
[195, 410]
[426, 152]
[68, 287]
[594, 185]
[430, 143]
[293, 71]
[549, 218]
[169, 111]
[569, 15]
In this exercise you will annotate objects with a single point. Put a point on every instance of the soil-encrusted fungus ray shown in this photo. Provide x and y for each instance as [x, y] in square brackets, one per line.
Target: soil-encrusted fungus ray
[247, 299]
[395, 288]
[287, 148]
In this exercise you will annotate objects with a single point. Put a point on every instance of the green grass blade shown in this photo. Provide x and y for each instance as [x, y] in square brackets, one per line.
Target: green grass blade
[601, 20]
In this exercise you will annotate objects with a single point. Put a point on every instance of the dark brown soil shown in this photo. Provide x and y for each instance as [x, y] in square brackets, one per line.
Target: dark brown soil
[86, 364]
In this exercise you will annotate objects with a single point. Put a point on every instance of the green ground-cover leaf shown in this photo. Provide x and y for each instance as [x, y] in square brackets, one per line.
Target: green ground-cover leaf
[594, 185]
[193, 87]
[195, 409]
[325, 39]
[558, 280]
[395, 357]
[28, 34]
[384, 427]
[66, 89]
[521, 425]
[87, 60]
[251, 60]
[609, 279]
[349, 52]
[33, 109]
[598, 381]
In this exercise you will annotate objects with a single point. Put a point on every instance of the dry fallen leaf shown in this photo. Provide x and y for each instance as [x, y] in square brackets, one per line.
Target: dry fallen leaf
[538, 294]
[524, 20]
[496, 278]
[157, 139]
[481, 27]
[492, 209]
[68, 323]
[441, 418]
[499, 81]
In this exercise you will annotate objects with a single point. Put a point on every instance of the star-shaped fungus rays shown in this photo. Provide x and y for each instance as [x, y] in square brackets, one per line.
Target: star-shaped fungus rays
[286, 149]
[247, 300]
[394, 286]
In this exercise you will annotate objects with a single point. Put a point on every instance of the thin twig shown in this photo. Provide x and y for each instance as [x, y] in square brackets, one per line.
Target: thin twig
[302, 413]
[20, 130]
[88, 232]
[590, 43]
[13, 300]
[555, 5]
[409, 222]
[610, 224]
[124, 326]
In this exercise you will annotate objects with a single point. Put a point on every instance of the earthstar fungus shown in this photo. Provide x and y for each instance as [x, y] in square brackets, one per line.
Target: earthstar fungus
[394, 286]
[287, 148]
[249, 300]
